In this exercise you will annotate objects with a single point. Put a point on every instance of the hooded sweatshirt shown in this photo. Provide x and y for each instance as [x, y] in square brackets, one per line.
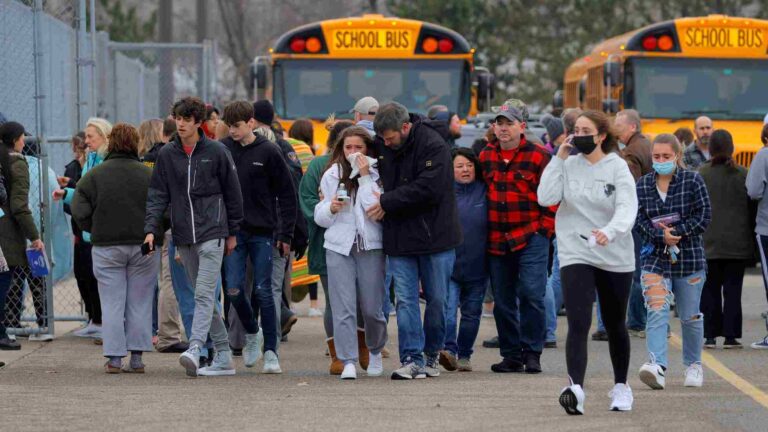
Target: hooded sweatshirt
[600, 196]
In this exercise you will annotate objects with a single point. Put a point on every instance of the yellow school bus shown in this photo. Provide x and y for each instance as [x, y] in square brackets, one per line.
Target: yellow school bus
[323, 68]
[675, 71]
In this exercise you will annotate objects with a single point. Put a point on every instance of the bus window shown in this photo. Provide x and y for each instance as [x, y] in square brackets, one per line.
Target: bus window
[722, 89]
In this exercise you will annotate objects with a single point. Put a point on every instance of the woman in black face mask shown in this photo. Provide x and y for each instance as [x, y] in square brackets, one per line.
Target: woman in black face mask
[598, 207]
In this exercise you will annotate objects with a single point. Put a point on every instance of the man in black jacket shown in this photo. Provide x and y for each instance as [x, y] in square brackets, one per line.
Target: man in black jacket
[197, 178]
[264, 180]
[421, 230]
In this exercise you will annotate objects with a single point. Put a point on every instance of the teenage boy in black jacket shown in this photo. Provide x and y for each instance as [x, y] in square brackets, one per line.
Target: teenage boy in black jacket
[196, 177]
[264, 180]
[421, 230]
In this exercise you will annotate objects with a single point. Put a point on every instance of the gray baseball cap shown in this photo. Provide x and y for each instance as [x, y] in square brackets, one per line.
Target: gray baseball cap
[366, 106]
[510, 113]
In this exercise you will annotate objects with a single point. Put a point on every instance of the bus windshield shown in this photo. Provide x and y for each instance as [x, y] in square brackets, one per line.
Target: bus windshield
[677, 88]
[317, 88]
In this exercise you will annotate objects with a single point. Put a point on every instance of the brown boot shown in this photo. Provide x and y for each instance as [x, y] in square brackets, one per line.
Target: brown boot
[362, 349]
[337, 366]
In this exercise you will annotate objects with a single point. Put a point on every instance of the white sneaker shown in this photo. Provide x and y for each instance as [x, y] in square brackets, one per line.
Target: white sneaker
[349, 372]
[653, 376]
[314, 313]
[252, 349]
[572, 399]
[271, 363]
[375, 365]
[222, 365]
[190, 359]
[41, 337]
[621, 398]
[12, 337]
[694, 375]
[88, 330]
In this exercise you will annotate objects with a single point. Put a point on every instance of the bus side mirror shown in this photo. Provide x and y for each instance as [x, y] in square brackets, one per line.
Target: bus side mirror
[612, 74]
[486, 89]
[557, 100]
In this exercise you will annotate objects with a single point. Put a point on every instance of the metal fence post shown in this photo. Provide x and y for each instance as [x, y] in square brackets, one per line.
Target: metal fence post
[41, 133]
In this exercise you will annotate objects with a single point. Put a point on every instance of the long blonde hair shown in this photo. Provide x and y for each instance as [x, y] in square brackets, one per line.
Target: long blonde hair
[150, 133]
[104, 128]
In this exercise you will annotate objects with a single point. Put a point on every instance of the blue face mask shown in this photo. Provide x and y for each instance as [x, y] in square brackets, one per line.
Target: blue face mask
[664, 168]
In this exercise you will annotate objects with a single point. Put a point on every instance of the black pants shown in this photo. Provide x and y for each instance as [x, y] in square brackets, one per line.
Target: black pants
[762, 245]
[15, 300]
[86, 281]
[579, 282]
[721, 298]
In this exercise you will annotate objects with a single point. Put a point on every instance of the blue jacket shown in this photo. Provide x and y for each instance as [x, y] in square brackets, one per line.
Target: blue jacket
[471, 262]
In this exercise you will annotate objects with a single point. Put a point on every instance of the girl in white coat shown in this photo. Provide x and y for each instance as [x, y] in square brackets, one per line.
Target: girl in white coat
[353, 244]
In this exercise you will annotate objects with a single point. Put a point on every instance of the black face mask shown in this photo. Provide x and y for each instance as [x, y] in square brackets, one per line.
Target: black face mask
[584, 143]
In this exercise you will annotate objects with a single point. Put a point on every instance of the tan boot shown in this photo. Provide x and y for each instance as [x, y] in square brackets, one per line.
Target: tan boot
[337, 366]
[362, 349]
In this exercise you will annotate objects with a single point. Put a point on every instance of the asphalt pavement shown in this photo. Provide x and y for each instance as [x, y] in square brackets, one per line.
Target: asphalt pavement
[61, 386]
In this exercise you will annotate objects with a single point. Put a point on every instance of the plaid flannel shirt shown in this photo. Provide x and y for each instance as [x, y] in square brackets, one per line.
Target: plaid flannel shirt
[514, 214]
[693, 157]
[687, 196]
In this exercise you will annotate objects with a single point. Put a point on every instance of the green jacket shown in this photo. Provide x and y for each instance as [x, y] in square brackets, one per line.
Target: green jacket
[309, 197]
[111, 199]
[731, 233]
[17, 225]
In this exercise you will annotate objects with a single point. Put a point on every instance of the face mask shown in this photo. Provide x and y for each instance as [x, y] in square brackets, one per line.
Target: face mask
[664, 168]
[584, 143]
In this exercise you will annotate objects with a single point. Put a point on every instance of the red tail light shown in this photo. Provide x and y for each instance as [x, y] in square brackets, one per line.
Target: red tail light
[650, 43]
[298, 45]
[445, 46]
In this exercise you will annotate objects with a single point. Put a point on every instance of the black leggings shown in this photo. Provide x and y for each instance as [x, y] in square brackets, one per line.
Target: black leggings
[579, 282]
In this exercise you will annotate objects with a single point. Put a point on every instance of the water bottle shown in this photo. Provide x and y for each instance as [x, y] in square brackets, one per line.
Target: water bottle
[341, 193]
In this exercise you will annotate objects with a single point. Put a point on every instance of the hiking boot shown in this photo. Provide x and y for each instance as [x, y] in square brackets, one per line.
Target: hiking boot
[448, 360]
[532, 362]
[508, 365]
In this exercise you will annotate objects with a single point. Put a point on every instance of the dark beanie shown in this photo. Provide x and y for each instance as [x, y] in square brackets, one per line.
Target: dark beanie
[554, 126]
[263, 112]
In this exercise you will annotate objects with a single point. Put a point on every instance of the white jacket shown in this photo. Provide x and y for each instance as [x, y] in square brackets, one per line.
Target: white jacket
[343, 227]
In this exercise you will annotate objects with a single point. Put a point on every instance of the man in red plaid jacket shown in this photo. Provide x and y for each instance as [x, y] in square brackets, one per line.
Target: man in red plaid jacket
[518, 241]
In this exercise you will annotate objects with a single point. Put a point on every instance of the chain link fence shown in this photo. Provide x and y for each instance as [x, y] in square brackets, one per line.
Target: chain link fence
[56, 72]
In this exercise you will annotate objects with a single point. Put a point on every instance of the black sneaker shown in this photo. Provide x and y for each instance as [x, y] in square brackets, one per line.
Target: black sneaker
[600, 336]
[710, 343]
[532, 362]
[6, 344]
[732, 343]
[491, 343]
[508, 365]
[550, 344]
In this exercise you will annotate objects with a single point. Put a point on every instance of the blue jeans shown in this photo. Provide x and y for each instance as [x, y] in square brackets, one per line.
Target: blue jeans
[658, 293]
[5, 285]
[469, 297]
[520, 276]
[248, 303]
[185, 294]
[553, 298]
[434, 271]
[636, 313]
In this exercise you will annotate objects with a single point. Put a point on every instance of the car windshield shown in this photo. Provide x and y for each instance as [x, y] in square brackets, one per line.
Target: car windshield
[317, 88]
[725, 89]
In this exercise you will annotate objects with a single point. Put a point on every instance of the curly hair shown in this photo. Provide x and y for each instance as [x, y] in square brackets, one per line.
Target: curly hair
[190, 107]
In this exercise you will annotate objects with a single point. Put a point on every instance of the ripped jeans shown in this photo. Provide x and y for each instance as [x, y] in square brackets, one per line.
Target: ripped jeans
[658, 292]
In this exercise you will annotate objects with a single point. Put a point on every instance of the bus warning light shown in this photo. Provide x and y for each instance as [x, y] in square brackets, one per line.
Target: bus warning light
[298, 45]
[666, 43]
[650, 43]
[314, 45]
[429, 45]
[445, 45]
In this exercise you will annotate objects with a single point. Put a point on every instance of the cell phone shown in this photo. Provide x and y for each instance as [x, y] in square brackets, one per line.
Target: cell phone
[146, 249]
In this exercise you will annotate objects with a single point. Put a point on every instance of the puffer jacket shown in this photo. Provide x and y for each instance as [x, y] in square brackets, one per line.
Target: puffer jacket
[202, 190]
[17, 225]
[343, 227]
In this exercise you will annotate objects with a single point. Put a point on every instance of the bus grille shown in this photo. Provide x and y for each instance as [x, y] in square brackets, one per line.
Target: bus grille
[745, 158]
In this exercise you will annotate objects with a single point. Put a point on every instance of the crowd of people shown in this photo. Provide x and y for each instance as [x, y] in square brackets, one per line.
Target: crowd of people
[172, 216]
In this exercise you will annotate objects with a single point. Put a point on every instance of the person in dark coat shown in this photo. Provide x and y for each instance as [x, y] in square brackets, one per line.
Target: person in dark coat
[421, 231]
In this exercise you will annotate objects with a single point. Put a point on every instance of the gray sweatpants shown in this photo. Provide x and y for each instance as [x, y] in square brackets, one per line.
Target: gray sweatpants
[202, 262]
[353, 279]
[126, 287]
